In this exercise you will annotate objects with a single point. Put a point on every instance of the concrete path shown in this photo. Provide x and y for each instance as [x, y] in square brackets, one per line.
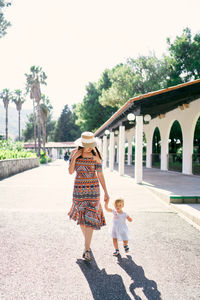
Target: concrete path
[41, 249]
[166, 184]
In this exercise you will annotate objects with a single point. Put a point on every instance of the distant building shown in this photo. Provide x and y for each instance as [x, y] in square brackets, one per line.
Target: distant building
[55, 150]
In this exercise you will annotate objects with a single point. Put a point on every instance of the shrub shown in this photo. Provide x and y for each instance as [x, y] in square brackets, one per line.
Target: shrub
[12, 150]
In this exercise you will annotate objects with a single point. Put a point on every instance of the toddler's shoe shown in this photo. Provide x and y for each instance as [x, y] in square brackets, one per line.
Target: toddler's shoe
[126, 248]
[116, 253]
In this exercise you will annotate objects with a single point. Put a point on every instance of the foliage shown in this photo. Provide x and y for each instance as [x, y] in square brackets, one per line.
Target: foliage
[185, 52]
[28, 132]
[9, 150]
[66, 129]
[4, 24]
[33, 80]
[137, 76]
[91, 114]
[121, 88]
[18, 99]
[46, 108]
[43, 157]
[6, 96]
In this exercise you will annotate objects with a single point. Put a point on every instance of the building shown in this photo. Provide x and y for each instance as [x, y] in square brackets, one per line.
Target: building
[150, 120]
[55, 150]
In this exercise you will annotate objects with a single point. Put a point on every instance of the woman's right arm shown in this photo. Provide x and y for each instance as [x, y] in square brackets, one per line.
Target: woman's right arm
[72, 160]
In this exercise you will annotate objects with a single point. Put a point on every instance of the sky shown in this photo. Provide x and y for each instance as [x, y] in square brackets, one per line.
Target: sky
[75, 41]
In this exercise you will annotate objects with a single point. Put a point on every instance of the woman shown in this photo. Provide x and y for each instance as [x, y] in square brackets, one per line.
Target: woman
[86, 208]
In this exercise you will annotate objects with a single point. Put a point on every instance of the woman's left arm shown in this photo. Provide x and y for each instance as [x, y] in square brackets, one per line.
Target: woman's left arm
[103, 184]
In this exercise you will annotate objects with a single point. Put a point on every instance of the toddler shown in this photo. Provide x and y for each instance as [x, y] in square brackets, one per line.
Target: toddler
[119, 229]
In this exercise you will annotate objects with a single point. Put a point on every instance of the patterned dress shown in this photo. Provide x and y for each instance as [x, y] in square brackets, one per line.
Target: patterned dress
[86, 208]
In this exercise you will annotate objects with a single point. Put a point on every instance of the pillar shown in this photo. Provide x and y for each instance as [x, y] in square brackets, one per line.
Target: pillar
[121, 149]
[129, 152]
[138, 149]
[149, 153]
[164, 152]
[187, 151]
[117, 156]
[112, 151]
[105, 142]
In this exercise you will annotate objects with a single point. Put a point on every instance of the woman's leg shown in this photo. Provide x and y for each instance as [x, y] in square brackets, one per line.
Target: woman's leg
[88, 237]
[83, 229]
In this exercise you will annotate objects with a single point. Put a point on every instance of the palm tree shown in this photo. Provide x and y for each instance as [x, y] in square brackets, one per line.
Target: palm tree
[18, 99]
[45, 107]
[4, 24]
[33, 81]
[6, 96]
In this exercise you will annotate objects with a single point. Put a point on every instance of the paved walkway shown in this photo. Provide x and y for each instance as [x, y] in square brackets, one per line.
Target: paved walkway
[41, 249]
[166, 184]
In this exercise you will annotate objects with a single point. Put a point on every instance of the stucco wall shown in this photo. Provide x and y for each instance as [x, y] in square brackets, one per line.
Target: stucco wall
[13, 166]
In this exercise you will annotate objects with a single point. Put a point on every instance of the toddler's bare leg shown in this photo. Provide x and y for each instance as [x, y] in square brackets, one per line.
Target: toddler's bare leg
[115, 243]
[125, 243]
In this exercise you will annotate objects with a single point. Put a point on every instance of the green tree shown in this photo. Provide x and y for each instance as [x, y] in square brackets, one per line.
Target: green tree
[18, 99]
[34, 79]
[46, 108]
[185, 51]
[28, 132]
[4, 24]
[91, 114]
[6, 96]
[66, 129]
[136, 77]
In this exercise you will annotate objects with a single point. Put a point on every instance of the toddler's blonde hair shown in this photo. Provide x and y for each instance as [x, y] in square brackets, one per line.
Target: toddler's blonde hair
[119, 200]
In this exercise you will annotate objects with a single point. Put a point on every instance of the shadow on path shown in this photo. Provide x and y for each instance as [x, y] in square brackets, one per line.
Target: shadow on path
[102, 285]
[136, 273]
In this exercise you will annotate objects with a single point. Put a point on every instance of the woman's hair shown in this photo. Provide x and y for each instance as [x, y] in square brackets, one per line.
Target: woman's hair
[93, 152]
[118, 201]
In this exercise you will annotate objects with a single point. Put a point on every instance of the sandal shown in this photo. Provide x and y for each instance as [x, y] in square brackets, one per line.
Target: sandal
[87, 255]
[84, 252]
[126, 248]
[116, 253]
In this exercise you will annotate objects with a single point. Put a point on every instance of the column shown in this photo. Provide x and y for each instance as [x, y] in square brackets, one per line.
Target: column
[112, 151]
[129, 152]
[117, 156]
[164, 152]
[187, 151]
[138, 149]
[121, 149]
[105, 151]
[100, 146]
[149, 153]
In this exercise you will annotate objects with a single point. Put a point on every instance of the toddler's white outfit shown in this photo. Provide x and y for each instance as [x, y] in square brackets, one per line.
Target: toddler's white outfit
[119, 230]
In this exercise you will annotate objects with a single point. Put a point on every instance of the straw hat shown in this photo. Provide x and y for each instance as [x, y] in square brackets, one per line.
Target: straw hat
[86, 140]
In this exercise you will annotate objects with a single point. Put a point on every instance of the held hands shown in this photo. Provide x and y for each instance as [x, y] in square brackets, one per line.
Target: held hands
[106, 198]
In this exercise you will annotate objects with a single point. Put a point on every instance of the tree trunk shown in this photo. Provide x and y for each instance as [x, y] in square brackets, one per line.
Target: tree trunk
[43, 136]
[34, 125]
[7, 123]
[39, 126]
[19, 112]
